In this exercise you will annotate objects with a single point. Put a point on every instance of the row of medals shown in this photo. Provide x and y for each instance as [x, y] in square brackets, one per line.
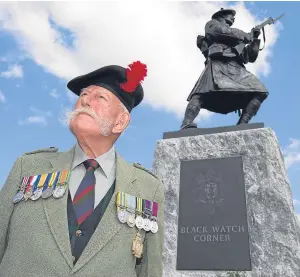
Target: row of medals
[37, 190]
[129, 217]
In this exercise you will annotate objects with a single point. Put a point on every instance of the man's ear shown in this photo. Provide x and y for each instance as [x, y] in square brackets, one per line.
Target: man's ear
[121, 123]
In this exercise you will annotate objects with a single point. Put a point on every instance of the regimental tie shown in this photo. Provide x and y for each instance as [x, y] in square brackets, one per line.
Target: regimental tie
[84, 199]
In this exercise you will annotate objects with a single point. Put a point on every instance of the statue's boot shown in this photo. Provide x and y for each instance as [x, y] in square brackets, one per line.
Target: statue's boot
[250, 111]
[191, 113]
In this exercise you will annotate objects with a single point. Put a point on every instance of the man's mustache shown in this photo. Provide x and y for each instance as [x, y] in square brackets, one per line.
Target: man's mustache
[69, 115]
[84, 110]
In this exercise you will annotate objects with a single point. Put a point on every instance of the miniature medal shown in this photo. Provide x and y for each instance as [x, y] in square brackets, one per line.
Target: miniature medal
[39, 188]
[137, 246]
[49, 190]
[35, 184]
[122, 214]
[147, 224]
[148, 213]
[131, 210]
[28, 191]
[154, 225]
[46, 183]
[61, 186]
[20, 195]
[139, 221]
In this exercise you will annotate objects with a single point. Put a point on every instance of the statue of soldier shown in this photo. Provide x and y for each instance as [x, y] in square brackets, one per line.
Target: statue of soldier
[225, 85]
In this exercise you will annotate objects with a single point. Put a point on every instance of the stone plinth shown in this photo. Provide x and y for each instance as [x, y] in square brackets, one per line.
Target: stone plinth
[273, 228]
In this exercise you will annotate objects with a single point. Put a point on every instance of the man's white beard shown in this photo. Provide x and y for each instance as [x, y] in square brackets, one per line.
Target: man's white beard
[105, 124]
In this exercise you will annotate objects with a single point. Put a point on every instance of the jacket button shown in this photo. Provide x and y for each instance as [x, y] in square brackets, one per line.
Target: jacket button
[78, 233]
[73, 258]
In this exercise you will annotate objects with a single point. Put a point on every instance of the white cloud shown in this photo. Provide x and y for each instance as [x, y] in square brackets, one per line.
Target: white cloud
[54, 94]
[2, 97]
[40, 117]
[161, 34]
[14, 71]
[39, 120]
[292, 153]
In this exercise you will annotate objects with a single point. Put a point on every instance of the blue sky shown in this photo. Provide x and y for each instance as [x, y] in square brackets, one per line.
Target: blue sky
[33, 92]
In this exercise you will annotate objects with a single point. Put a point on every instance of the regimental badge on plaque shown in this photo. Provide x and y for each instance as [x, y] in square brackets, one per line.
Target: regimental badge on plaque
[42, 186]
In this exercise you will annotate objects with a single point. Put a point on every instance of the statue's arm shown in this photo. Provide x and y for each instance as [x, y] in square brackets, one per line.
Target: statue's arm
[250, 52]
[223, 34]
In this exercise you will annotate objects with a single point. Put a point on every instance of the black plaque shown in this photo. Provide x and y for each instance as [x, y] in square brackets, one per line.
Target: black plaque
[212, 225]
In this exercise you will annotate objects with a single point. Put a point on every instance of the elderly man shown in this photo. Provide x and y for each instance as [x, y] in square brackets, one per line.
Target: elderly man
[85, 212]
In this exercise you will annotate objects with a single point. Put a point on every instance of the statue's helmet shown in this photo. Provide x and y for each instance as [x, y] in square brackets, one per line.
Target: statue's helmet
[223, 12]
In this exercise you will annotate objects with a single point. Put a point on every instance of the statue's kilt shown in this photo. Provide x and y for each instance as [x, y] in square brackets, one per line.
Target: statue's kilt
[226, 86]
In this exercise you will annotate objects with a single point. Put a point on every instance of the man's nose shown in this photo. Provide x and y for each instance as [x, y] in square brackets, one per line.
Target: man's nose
[86, 100]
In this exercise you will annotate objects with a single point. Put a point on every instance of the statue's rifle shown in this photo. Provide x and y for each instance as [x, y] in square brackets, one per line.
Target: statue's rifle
[261, 26]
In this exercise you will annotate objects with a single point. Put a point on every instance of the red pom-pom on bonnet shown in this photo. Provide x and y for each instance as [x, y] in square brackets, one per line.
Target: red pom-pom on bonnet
[135, 74]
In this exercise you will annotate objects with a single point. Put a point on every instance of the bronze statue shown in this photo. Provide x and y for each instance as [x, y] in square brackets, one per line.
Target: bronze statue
[225, 85]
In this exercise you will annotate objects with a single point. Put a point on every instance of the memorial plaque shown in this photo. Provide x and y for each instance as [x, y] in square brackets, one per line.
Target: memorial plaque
[212, 223]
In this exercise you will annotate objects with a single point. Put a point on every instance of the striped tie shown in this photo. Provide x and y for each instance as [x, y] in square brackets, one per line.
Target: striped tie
[84, 199]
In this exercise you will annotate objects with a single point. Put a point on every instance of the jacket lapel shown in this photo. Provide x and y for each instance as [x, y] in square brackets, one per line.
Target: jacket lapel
[109, 225]
[56, 209]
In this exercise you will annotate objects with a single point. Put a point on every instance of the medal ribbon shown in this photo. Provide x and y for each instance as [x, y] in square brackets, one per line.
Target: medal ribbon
[139, 205]
[52, 179]
[54, 183]
[36, 182]
[131, 203]
[30, 183]
[64, 177]
[24, 184]
[147, 207]
[68, 177]
[155, 210]
[44, 181]
[121, 200]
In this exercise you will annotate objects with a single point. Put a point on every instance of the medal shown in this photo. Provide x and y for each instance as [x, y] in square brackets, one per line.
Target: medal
[37, 192]
[20, 195]
[49, 190]
[154, 225]
[62, 184]
[121, 208]
[29, 189]
[139, 221]
[46, 183]
[35, 184]
[147, 213]
[137, 246]
[131, 210]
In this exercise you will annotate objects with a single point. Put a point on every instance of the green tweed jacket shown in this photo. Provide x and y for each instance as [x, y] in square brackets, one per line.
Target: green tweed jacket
[34, 237]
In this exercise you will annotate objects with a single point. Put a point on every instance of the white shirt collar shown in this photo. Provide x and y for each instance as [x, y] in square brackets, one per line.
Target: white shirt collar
[106, 160]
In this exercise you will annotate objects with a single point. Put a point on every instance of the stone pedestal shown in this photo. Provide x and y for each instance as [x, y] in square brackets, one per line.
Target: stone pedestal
[274, 233]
